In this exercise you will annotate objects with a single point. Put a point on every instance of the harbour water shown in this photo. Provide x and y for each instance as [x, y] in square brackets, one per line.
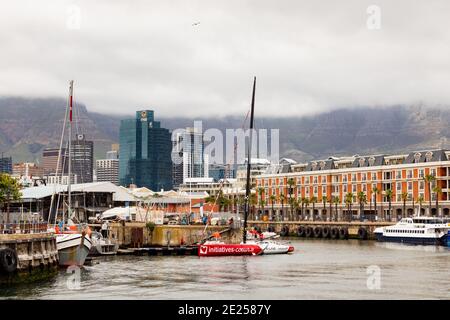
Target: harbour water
[318, 269]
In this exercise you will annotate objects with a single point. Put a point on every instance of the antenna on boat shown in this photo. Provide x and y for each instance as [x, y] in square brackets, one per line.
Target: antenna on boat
[249, 151]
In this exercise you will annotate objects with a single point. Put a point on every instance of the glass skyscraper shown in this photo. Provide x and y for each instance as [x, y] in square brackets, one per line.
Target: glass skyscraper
[145, 153]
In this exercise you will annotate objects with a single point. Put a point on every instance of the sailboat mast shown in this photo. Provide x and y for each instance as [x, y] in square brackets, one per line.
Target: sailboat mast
[249, 151]
[69, 191]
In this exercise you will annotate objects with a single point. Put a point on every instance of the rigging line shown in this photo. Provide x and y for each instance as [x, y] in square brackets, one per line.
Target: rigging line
[59, 156]
[61, 180]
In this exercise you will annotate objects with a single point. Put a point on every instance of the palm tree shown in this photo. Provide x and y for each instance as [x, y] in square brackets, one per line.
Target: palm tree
[349, 202]
[376, 192]
[313, 200]
[330, 201]
[420, 200]
[260, 199]
[291, 183]
[306, 202]
[272, 200]
[282, 200]
[437, 190]
[292, 203]
[429, 178]
[413, 205]
[336, 201]
[389, 194]
[362, 201]
[324, 202]
[404, 198]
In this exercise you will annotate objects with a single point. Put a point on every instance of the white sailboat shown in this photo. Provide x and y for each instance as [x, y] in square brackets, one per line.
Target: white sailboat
[72, 241]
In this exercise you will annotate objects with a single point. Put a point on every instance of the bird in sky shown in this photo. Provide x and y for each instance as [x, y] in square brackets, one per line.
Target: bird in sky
[195, 23]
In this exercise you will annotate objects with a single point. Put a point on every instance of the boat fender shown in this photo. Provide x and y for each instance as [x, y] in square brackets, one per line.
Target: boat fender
[334, 233]
[284, 231]
[343, 233]
[8, 260]
[326, 232]
[317, 232]
[362, 233]
[308, 232]
[301, 231]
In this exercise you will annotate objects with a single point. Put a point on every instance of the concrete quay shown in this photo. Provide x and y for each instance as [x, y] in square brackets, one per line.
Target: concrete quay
[322, 229]
[26, 257]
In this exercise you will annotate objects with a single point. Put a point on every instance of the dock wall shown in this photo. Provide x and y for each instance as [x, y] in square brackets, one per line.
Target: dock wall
[37, 256]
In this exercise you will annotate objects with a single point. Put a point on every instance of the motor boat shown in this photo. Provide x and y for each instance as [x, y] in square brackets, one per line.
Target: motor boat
[416, 230]
[102, 246]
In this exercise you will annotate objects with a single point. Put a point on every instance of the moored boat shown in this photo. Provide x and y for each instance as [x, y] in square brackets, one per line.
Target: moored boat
[218, 248]
[73, 248]
[272, 247]
[416, 230]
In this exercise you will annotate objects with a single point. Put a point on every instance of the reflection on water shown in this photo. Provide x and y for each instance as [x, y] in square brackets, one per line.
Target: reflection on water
[318, 269]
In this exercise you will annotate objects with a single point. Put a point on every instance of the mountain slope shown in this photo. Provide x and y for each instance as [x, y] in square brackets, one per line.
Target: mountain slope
[29, 125]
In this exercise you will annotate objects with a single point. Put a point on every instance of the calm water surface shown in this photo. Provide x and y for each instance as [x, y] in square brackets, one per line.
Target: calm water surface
[318, 269]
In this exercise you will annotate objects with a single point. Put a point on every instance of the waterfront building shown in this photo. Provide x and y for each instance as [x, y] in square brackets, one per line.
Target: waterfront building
[82, 154]
[5, 164]
[221, 171]
[145, 153]
[353, 184]
[108, 170]
[188, 145]
[50, 161]
[27, 169]
[258, 167]
[208, 185]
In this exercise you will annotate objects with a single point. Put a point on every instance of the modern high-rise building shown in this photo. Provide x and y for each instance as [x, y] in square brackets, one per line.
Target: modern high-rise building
[82, 154]
[5, 164]
[50, 161]
[222, 171]
[188, 147]
[108, 169]
[145, 153]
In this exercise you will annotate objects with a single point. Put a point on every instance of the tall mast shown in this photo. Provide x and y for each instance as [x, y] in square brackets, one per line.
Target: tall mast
[69, 191]
[249, 151]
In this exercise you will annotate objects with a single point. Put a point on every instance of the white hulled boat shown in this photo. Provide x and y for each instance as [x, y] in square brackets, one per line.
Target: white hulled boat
[416, 230]
[73, 242]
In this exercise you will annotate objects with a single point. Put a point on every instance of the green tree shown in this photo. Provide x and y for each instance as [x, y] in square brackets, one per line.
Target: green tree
[282, 200]
[376, 192]
[420, 200]
[362, 199]
[437, 190]
[313, 200]
[389, 195]
[349, 203]
[291, 184]
[9, 191]
[429, 179]
[261, 200]
[324, 202]
[336, 201]
[404, 199]
[272, 199]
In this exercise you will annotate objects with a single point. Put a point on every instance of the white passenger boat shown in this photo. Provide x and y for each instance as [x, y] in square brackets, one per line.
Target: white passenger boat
[102, 246]
[416, 230]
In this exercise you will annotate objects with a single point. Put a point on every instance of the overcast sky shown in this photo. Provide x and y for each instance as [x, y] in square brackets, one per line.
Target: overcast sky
[308, 57]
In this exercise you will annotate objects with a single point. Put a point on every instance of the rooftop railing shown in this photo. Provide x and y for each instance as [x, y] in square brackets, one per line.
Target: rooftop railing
[23, 228]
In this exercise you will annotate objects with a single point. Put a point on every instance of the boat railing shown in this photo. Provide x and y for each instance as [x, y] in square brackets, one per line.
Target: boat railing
[23, 228]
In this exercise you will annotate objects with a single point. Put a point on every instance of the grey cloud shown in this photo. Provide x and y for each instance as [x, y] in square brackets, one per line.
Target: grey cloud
[309, 57]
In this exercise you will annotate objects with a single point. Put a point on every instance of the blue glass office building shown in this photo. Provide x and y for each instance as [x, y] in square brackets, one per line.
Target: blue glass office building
[145, 153]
